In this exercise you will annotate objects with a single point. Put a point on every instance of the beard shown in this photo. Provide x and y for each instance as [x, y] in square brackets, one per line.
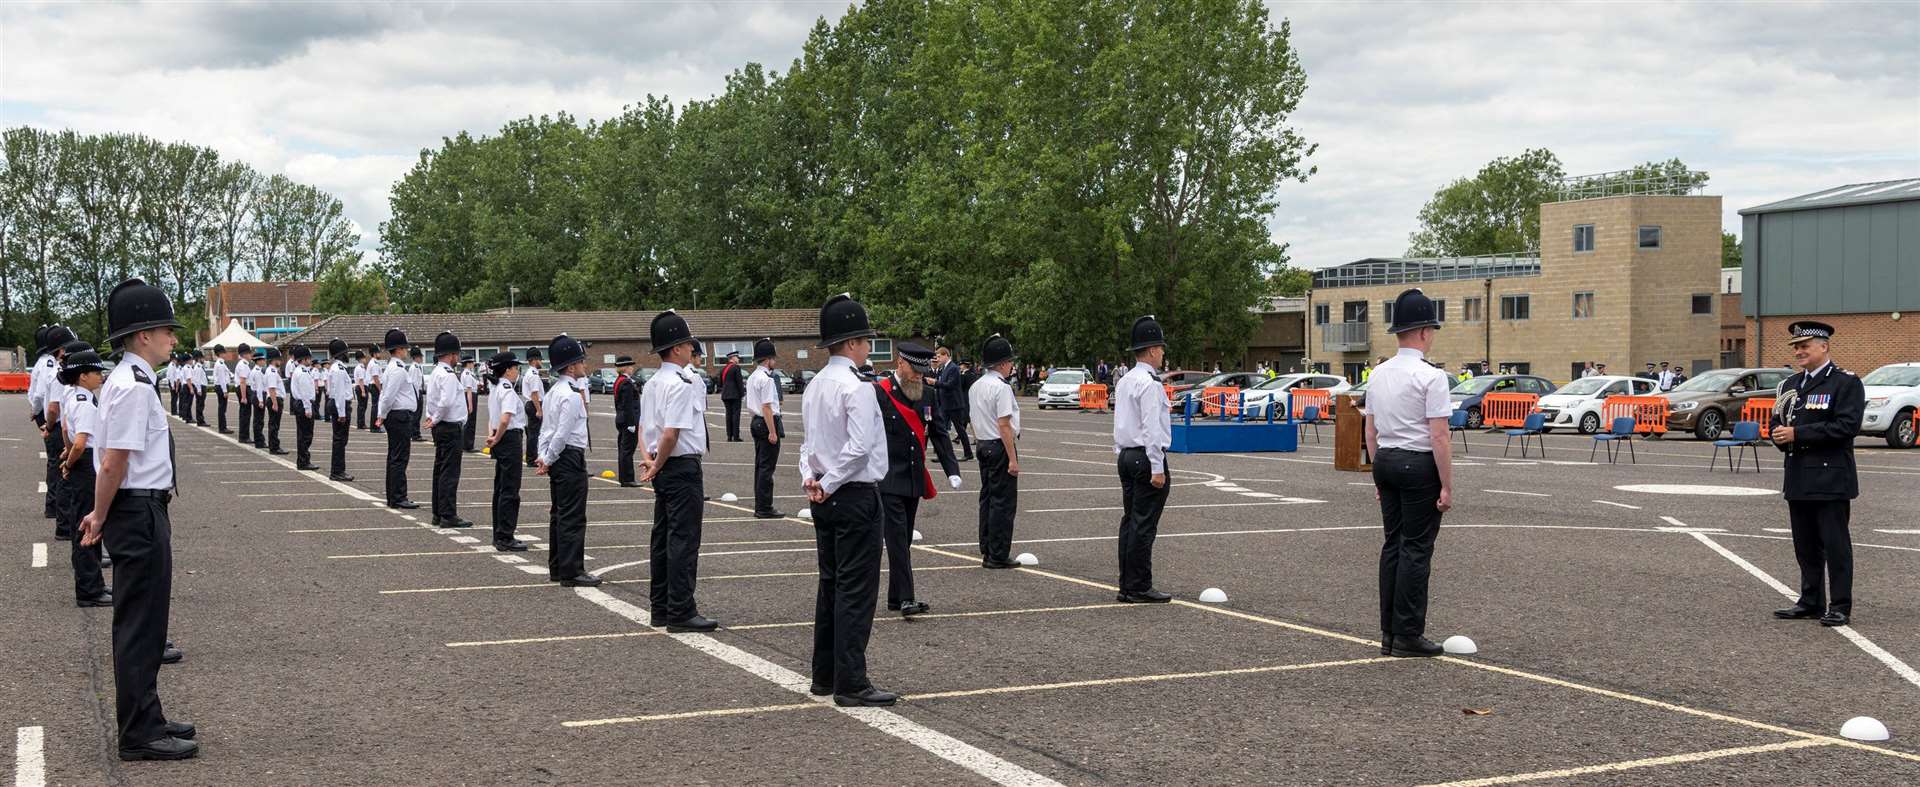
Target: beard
[911, 386]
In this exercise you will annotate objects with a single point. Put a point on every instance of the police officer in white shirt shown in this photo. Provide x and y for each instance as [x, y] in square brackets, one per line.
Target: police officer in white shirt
[43, 394]
[763, 405]
[275, 388]
[376, 366]
[418, 371]
[82, 372]
[1407, 410]
[395, 414]
[131, 494]
[504, 441]
[257, 387]
[341, 392]
[842, 461]
[996, 426]
[222, 382]
[469, 386]
[563, 459]
[673, 436]
[1142, 432]
[199, 378]
[243, 390]
[302, 393]
[446, 416]
[532, 388]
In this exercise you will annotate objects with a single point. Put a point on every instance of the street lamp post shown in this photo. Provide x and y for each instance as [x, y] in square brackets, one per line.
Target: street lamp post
[696, 298]
[285, 310]
[511, 291]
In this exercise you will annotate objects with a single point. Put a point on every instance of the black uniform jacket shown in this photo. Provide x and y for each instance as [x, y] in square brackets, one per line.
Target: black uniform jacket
[1825, 417]
[733, 384]
[906, 443]
[626, 402]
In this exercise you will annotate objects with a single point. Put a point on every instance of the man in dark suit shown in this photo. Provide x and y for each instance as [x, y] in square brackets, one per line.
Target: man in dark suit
[1816, 416]
[733, 390]
[626, 417]
[950, 400]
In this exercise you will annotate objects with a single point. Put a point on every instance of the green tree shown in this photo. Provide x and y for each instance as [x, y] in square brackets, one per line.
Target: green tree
[1496, 211]
[1292, 282]
[344, 287]
[1729, 250]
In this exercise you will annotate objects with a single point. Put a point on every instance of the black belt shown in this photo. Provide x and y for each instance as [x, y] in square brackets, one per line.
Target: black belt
[1406, 451]
[694, 458]
[978, 440]
[163, 495]
[856, 485]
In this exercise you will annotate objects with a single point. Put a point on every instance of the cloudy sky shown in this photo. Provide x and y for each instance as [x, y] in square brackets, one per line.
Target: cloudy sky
[1774, 99]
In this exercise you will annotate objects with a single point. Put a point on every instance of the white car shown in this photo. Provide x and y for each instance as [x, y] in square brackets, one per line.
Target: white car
[1893, 396]
[1062, 388]
[1262, 397]
[1577, 405]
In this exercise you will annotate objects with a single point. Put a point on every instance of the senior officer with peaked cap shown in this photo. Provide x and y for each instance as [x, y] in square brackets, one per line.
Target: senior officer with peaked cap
[1816, 415]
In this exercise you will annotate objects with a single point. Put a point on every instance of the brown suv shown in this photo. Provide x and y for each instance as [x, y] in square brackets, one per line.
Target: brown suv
[1705, 405]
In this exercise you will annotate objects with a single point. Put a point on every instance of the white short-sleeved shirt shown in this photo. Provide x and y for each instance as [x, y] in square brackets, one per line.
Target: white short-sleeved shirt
[505, 400]
[132, 418]
[990, 399]
[762, 389]
[674, 399]
[1401, 395]
[566, 422]
[531, 388]
[446, 403]
[1141, 416]
[79, 413]
[846, 437]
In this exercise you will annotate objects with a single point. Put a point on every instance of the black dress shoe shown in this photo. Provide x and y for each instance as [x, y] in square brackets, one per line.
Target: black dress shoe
[1420, 647]
[1386, 645]
[106, 562]
[1797, 612]
[768, 515]
[819, 690]
[180, 729]
[582, 581]
[102, 600]
[695, 623]
[377, 431]
[172, 655]
[167, 748]
[515, 545]
[869, 697]
[458, 522]
[404, 504]
[991, 563]
[276, 452]
[62, 536]
[1144, 597]
[1833, 618]
[629, 484]
[313, 468]
[226, 431]
[340, 476]
[911, 608]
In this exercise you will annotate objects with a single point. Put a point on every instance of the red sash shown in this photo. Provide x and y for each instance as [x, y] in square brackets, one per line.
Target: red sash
[919, 429]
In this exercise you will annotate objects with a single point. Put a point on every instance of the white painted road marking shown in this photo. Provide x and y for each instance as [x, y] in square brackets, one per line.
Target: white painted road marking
[1510, 492]
[1696, 489]
[40, 555]
[1286, 501]
[1884, 530]
[30, 757]
[42, 488]
[1671, 759]
[1621, 505]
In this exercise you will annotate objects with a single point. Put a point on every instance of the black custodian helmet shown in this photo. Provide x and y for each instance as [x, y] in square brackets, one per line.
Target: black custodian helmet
[669, 330]
[996, 350]
[446, 344]
[337, 347]
[1147, 333]
[566, 351]
[1413, 310]
[764, 349]
[843, 319]
[136, 306]
[396, 339]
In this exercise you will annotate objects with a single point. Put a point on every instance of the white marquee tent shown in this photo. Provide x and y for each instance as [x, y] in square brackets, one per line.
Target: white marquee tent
[234, 336]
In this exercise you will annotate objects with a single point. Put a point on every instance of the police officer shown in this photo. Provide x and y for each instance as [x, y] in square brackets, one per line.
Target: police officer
[842, 461]
[626, 418]
[199, 378]
[1816, 415]
[274, 388]
[996, 427]
[509, 415]
[446, 417]
[44, 390]
[243, 388]
[257, 387]
[341, 391]
[1406, 429]
[469, 388]
[136, 479]
[1142, 432]
[733, 390]
[222, 383]
[763, 403]
[302, 392]
[673, 431]
[376, 366]
[394, 413]
[418, 371]
[905, 415]
[563, 459]
[532, 389]
[81, 371]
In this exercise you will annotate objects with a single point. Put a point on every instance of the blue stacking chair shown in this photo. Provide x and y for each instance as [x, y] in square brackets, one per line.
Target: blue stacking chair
[1534, 427]
[1457, 424]
[1746, 435]
[1310, 416]
[1622, 432]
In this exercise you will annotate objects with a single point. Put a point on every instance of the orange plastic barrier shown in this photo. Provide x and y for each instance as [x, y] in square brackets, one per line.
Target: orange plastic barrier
[15, 382]
[1508, 410]
[1649, 413]
[1093, 396]
[1304, 398]
[1761, 410]
[1220, 400]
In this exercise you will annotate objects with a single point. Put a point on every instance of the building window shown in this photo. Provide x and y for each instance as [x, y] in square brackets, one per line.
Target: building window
[521, 352]
[1322, 313]
[1517, 367]
[1386, 312]
[1440, 311]
[1516, 307]
[1582, 305]
[718, 350]
[1649, 237]
[1702, 304]
[1582, 237]
[1475, 309]
[248, 324]
[1353, 311]
[284, 321]
[882, 351]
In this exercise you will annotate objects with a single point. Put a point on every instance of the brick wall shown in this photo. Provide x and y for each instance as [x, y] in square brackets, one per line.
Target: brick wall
[1861, 342]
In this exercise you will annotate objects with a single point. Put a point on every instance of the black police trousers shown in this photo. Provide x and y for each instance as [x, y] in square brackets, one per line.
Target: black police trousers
[628, 441]
[506, 486]
[446, 469]
[473, 419]
[246, 417]
[567, 526]
[533, 434]
[56, 444]
[999, 494]
[259, 422]
[1409, 486]
[399, 428]
[846, 538]
[678, 489]
[76, 504]
[273, 423]
[139, 537]
[221, 407]
[897, 512]
[339, 464]
[1140, 507]
[766, 459]
[200, 407]
[1824, 549]
[733, 418]
[360, 408]
[302, 433]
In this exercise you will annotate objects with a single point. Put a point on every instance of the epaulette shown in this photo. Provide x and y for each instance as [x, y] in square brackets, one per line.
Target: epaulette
[79, 397]
[141, 376]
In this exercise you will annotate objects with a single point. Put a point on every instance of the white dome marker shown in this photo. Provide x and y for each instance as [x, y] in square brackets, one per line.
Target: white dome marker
[1864, 728]
[806, 513]
[1459, 646]
[916, 535]
[730, 498]
[1027, 559]
[1213, 596]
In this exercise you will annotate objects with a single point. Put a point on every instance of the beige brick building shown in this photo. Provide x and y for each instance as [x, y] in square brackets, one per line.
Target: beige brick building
[1622, 280]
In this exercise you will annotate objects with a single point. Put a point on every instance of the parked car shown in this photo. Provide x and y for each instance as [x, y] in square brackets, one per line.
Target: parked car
[1893, 396]
[1062, 388]
[1240, 380]
[801, 378]
[1180, 379]
[1706, 404]
[601, 380]
[1469, 392]
[712, 382]
[1260, 398]
[784, 380]
[1578, 404]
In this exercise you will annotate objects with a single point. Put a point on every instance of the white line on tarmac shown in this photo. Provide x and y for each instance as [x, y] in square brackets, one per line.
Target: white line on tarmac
[544, 546]
[542, 570]
[1894, 663]
[42, 489]
[1896, 532]
[40, 555]
[1621, 505]
[29, 757]
[1510, 492]
[1286, 502]
[937, 743]
[798, 624]
[1671, 759]
[317, 510]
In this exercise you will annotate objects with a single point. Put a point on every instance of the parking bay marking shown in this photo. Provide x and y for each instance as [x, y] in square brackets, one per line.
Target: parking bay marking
[798, 624]
[1648, 762]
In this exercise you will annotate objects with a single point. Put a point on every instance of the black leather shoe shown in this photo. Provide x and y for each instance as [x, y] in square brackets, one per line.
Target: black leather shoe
[582, 581]
[168, 748]
[991, 563]
[180, 729]
[1386, 645]
[58, 536]
[869, 697]
[458, 522]
[695, 623]
[911, 608]
[226, 431]
[102, 600]
[276, 452]
[819, 690]
[106, 562]
[172, 655]
[1797, 612]
[1144, 597]
[515, 545]
[404, 504]
[1420, 647]
[340, 476]
[1833, 618]
[768, 515]
[309, 468]
[377, 431]
[629, 484]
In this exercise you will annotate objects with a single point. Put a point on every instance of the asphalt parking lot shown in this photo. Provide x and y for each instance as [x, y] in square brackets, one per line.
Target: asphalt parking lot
[1621, 613]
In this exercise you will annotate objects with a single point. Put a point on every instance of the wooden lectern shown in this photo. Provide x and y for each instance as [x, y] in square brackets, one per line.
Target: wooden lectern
[1350, 436]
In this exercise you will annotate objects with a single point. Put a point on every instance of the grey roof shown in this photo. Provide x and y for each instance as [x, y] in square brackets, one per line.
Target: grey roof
[539, 327]
[1852, 194]
[1414, 270]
